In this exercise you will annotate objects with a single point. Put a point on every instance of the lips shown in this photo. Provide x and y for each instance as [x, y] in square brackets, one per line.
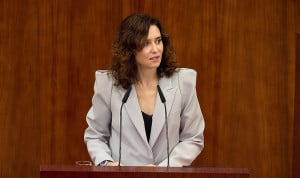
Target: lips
[155, 58]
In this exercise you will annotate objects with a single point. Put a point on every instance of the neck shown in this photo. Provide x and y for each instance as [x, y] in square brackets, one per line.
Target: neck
[147, 78]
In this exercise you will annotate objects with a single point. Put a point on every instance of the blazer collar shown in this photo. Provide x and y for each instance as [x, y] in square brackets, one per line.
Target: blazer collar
[158, 120]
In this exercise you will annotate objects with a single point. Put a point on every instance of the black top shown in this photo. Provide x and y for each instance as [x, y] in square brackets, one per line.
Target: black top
[148, 123]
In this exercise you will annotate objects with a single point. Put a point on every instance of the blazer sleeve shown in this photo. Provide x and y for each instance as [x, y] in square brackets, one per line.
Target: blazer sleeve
[191, 140]
[99, 119]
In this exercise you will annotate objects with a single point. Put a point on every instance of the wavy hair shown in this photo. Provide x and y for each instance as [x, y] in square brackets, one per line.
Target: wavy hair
[132, 31]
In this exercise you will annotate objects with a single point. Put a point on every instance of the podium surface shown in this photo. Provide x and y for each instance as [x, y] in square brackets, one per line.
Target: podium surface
[74, 171]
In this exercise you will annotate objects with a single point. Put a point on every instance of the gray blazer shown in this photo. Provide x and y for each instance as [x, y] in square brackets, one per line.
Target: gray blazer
[185, 122]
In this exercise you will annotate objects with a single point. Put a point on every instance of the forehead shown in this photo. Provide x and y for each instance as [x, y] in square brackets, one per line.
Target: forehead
[154, 32]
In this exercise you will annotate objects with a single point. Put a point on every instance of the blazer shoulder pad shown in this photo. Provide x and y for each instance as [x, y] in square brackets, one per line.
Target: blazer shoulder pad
[187, 78]
[104, 80]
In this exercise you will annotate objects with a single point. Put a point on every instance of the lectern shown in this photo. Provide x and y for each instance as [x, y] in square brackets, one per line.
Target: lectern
[74, 171]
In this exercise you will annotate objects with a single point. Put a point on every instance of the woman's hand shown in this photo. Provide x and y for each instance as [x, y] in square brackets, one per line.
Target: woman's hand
[150, 165]
[113, 164]
[117, 164]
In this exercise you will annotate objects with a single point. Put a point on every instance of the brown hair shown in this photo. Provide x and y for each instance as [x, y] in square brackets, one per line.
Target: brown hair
[132, 31]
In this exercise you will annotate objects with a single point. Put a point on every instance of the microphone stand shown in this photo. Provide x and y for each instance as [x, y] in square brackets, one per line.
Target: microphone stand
[124, 100]
[163, 100]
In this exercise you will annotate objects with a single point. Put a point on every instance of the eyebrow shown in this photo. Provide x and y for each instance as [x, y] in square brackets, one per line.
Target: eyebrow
[159, 37]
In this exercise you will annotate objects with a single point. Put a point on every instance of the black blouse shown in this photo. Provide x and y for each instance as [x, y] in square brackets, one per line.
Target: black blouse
[148, 123]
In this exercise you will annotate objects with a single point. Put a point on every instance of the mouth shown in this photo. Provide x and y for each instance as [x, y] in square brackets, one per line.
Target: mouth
[155, 58]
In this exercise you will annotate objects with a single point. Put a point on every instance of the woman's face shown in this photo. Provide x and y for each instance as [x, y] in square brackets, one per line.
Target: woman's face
[149, 57]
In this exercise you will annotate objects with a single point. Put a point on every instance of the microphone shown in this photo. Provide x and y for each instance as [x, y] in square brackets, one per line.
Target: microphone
[163, 100]
[161, 95]
[124, 100]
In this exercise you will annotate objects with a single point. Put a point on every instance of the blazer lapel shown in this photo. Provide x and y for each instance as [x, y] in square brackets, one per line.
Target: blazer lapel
[134, 112]
[158, 119]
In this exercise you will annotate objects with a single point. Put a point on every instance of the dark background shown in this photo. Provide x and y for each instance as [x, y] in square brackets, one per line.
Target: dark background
[245, 52]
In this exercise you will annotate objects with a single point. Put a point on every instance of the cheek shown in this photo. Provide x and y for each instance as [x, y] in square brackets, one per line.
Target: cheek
[143, 54]
[139, 57]
[162, 48]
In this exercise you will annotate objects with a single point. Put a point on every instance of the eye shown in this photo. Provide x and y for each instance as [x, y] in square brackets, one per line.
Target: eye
[147, 43]
[158, 41]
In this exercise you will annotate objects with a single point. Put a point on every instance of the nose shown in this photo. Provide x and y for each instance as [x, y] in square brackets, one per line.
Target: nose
[154, 47]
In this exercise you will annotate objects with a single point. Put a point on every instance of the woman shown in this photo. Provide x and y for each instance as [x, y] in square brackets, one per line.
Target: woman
[142, 61]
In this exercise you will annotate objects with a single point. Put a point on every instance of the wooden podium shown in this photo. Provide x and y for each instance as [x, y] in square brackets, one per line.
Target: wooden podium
[74, 171]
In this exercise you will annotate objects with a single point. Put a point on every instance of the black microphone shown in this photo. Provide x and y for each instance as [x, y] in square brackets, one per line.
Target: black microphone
[163, 100]
[161, 95]
[124, 100]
